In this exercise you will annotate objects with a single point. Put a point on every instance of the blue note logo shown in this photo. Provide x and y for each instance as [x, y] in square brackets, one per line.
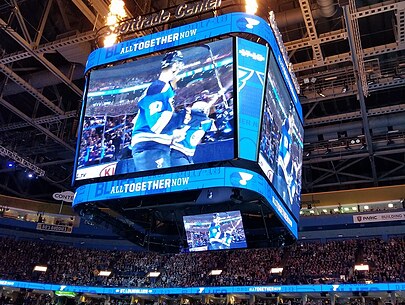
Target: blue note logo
[240, 178]
[247, 23]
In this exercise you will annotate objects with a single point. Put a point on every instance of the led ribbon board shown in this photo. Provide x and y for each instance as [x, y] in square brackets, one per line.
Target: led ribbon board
[185, 181]
[331, 288]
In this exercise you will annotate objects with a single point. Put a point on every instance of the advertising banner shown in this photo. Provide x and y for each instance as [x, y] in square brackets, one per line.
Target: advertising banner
[54, 228]
[392, 216]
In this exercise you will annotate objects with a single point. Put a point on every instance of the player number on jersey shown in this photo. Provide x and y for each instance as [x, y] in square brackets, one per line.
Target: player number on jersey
[155, 107]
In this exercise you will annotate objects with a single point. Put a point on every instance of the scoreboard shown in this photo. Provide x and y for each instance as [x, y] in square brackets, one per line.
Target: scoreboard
[192, 108]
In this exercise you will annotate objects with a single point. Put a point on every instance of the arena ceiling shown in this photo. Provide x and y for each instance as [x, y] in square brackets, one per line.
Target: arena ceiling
[348, 56]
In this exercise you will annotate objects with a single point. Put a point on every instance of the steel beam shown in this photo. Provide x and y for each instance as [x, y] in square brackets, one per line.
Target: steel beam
[95, 20]
[31, 90]
[32, 123]
[43, 21]
[13, 34]
[49, 119]
[323, 38]
[311, 30]
[50, 47]
[21, 22]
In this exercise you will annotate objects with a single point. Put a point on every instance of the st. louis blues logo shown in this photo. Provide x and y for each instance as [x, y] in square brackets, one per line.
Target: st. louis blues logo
[244, 74]
[240, 178]
[247, 23]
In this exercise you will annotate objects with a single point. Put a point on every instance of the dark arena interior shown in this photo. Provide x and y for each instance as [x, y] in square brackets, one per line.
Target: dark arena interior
[290, 190]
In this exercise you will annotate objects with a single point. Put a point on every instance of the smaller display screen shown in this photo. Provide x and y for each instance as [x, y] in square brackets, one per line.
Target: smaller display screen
[215, 231]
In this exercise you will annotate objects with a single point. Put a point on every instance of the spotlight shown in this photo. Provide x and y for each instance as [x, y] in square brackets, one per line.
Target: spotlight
[10, 164]
[307, 154]
[30, 175]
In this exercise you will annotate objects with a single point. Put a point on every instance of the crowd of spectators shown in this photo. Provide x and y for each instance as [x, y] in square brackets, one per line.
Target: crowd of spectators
[302, 263]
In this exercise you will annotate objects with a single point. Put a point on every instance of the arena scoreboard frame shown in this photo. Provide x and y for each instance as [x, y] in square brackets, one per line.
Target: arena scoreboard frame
[192, 108]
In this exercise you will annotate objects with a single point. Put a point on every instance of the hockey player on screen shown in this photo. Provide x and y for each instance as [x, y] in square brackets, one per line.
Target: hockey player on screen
[196, 123]
[285, 162]
[214, 234]
[152, 134]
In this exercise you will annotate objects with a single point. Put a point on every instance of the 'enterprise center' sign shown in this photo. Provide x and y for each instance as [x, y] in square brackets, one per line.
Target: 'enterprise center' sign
[163, 16]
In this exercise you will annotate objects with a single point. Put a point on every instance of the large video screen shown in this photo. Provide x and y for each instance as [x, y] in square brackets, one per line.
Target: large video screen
[163, 111]
[215, 231]
[281, 142]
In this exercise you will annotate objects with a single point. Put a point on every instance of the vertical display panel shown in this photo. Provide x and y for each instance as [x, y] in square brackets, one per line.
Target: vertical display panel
[215, 231]
[281, 142]
[251, 70]
[163, 111]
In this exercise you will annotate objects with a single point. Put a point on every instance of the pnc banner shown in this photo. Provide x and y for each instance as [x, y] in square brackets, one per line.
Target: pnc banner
[392, 216]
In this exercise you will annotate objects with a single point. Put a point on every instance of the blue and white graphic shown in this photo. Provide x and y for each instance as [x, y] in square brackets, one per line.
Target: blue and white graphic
[251, 68]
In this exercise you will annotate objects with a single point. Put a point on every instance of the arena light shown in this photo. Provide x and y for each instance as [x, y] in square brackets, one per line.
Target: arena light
[215, 272]
[251, 7]
[104, 273]
[361, 267]
[276, 270]
[153, 274]
[40, 268]
[17, 159]
[115, 15]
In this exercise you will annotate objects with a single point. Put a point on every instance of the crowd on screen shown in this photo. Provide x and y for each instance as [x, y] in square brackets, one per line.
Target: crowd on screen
[303, 263]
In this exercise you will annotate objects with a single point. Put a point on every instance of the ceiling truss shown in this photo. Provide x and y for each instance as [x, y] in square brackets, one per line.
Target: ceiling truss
[359, 72]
